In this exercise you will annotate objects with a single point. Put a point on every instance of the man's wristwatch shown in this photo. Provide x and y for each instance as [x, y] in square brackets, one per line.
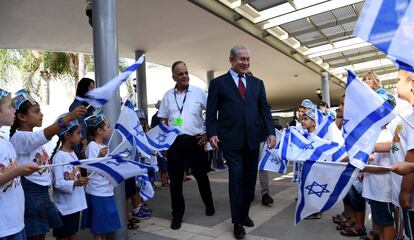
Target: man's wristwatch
[61, 123]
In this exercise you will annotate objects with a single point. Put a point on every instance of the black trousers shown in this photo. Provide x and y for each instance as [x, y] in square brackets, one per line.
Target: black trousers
[242, 166]
[186, 150]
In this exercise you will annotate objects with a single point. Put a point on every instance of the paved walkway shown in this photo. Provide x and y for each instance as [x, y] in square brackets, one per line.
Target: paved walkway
[274, 222]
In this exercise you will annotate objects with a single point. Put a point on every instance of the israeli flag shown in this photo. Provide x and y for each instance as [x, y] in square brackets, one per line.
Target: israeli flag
[295, 146]
[116, 169]
[388, 25]
[319, 117]
[99, 96]
[146, 191]
[322, 185]
[365, 114]
[329, 131]
[269, 159]
[162, 137]
[129, 127]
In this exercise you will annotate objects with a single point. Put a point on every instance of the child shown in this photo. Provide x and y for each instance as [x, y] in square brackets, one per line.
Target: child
[309, 125]
[68, 193]
[11, 191]
[140, 210]
[402, 168]
[308, 121]
[402, 149]
[40, 212]
[377, 190]
[101, 217]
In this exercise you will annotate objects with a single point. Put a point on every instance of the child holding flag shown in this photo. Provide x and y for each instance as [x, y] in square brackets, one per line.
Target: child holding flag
[101, 217]
[402, 149]
[68, 191]
[11, 191]
[40, 211]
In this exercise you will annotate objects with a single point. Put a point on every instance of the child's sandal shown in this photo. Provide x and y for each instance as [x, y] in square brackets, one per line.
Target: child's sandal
[346, 224]
[134, 220]
[370, 236]
[131, 225]
[353, 231]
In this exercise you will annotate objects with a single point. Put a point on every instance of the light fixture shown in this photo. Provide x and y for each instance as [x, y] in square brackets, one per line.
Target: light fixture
[318, 92]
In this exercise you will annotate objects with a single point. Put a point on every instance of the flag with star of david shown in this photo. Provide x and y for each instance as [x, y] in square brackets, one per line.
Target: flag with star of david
[321, 186]
[365, 113]
[162, 137]
[388, 24]
[329, 131]
[117, 168]
[269, 159]
[101, 95]
[146, 191]
[129, 127]
[308, 146]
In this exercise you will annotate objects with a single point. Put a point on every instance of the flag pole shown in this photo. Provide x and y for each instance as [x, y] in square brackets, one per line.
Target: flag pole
[81, 161]
[343, 164]
[405, 120]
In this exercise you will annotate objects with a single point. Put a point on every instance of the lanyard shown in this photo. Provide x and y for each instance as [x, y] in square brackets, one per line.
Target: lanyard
[176, 102]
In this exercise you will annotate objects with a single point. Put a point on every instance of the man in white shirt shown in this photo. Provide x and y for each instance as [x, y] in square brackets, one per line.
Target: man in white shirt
[182, 107]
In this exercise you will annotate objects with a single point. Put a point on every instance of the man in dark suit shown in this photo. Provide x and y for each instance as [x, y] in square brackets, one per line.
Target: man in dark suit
[236, 104]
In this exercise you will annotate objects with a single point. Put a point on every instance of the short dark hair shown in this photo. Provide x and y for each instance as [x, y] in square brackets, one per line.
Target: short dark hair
[175, 64]
[323, 104]
[83, 86]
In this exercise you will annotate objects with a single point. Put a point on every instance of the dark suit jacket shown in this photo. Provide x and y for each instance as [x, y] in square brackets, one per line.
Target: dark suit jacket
[233, 119]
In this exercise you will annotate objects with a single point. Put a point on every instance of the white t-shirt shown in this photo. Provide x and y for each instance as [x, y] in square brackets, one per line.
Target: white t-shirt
[29, 149]
[98, 185]
[402, 142]
[195, 102]
[378, 186]
[11, 194]
[68, 199]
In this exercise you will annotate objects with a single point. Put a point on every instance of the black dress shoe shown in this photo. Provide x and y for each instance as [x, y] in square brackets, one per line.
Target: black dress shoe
[210, 211]
[248, 222]
[239, 231]
[176, 223]
[267, 199]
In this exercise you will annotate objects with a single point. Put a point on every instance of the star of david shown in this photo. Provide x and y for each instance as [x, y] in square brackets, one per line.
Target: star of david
[142, 183]
[321, 187]
[139, 130]
[126, 152]
[161, 137]
[309, 146]
[274, 160]
[117, 163]
[345, 122]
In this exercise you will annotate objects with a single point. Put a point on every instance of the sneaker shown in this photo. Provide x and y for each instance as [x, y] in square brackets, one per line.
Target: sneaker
[141, 214]
[146, 209]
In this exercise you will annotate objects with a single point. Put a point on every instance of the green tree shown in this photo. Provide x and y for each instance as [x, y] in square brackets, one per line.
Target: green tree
[39, 67]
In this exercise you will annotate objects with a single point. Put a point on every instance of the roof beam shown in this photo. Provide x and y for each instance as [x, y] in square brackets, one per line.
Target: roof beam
[351, 55]
[356, 61]
[306, 12]
[324, 26]
[379, 71]
[332, 37]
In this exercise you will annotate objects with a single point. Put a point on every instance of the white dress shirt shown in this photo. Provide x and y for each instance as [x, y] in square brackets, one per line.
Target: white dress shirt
[192, 102]
[235, 77]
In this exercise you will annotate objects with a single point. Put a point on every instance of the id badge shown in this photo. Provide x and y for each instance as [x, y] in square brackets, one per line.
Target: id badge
[178, 121]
